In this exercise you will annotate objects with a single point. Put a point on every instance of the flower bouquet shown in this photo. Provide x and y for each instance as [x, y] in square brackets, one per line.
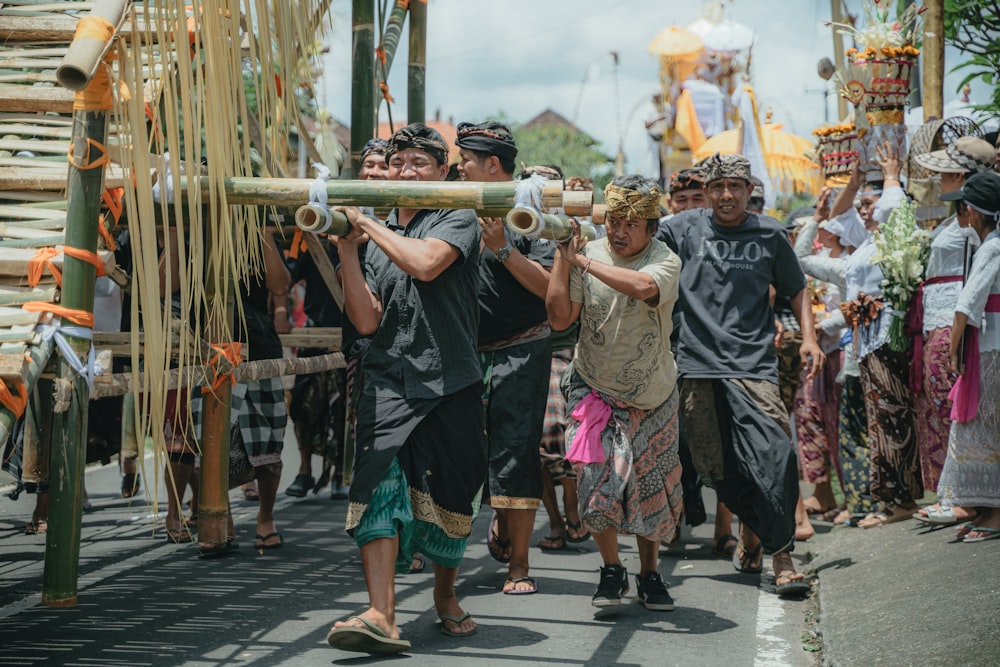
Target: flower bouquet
[902, 249]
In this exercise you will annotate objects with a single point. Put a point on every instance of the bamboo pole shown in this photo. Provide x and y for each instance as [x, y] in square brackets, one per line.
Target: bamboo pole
[38, 358]
[932, 50]
[416, 74]
[364, 108]
[530, 222]
[69, 441]
[839, 55]
[86, 51]
[213, 490]
[118, 384]
[390, 38]
[497, 198]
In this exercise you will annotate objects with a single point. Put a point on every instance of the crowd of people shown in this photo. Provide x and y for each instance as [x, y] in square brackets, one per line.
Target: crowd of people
[694, 342]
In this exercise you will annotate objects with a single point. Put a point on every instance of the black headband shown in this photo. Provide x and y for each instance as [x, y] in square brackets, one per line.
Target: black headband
[420, 137]
[491, 137]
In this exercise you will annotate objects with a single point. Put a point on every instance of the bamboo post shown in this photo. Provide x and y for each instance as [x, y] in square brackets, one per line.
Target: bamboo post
[416, 73]
[393, 28]
[69, 440]
[213, 481]
[364, 108]
[839, 55]
[932, 50]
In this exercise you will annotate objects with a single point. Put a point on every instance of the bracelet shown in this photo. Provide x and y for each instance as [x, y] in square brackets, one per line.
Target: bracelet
[587, 267]
[280, 309]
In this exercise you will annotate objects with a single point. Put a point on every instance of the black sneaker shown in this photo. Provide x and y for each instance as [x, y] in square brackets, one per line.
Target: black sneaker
[653, 592]
[613, 585]
[300, 487]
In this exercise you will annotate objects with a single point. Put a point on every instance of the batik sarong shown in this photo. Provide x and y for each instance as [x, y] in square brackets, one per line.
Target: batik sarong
[933, 407]
[895, 463]
[855, 456]
[636, 490]
[817, 406]
[971, 473]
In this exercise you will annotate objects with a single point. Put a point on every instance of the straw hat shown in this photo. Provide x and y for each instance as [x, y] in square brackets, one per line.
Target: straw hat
[965, 154]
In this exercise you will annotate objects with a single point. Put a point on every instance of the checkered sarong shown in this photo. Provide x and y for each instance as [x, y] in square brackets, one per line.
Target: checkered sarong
[553, 443]
[258, 408]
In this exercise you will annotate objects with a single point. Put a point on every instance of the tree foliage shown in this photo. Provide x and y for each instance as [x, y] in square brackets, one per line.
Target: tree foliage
[571, 150]
[973, 27]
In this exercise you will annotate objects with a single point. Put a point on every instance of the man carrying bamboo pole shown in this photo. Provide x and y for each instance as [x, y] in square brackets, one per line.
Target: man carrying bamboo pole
[734, 419]
[420, 454]
[621, 394]
[319, 406]
[515, 350]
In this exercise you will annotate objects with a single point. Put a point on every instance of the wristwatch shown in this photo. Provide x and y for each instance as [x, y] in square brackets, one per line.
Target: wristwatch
[503, 254]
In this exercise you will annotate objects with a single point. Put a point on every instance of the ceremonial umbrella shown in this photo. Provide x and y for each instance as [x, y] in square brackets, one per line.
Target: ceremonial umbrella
[676, 42]
[784, 154]
[680, 53]
[729, 36]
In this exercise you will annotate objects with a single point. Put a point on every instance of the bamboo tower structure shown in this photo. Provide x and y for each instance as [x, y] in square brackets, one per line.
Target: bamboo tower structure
[170, 120]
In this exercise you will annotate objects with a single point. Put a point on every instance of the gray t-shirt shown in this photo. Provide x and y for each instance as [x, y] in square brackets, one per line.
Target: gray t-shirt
[727, 328]
[424, 321]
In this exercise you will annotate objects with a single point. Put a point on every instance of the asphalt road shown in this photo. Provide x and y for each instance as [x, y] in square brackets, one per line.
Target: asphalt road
[143, 601]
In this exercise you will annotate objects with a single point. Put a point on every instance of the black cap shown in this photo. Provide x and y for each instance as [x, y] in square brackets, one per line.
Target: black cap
[981, 190]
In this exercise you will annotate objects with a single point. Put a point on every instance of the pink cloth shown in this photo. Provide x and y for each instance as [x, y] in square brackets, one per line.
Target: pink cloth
[965, 394]
[593, 414]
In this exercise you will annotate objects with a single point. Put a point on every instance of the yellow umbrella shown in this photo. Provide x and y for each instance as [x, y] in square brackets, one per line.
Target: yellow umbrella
[676, 42]
[784, 154]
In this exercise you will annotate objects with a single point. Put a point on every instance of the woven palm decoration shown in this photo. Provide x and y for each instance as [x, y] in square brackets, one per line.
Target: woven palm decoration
[921, 184]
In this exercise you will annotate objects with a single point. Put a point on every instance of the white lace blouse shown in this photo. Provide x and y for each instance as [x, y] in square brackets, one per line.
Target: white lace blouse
[983, 281]
[947, 257]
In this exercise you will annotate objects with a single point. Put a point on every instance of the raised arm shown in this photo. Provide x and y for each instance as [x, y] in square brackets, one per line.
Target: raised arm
[561, 309]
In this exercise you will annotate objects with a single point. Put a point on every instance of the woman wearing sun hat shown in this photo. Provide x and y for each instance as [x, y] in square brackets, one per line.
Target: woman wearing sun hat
[930, 323]
[971, 473]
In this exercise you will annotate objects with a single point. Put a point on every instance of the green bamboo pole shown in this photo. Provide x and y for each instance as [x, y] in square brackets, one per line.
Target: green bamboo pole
[69, 439]
[416, 74]
[39, 356]
[390, 38]
[84, 185]
[364, 107]
[407, 194]
[530, 222]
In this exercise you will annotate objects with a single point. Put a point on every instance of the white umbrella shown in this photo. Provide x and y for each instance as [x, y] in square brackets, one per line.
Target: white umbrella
[729, 36]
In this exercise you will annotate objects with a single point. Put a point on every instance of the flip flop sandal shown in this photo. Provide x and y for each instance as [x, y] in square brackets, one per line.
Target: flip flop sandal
[725, 546]
[756, 554]
[497, 547]
[792, 588]
[367, 639]
[519, 580]
[262, 539]
[987, 534]
[131, 484]
[213, 551]
[457, 620]
[575, 527]
[552, 543]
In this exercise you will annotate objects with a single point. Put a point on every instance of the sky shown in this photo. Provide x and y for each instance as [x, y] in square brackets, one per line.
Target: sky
[520, 57]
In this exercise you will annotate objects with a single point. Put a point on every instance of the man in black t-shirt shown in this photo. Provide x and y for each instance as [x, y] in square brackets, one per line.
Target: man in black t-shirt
[733, 416]
[516, 352]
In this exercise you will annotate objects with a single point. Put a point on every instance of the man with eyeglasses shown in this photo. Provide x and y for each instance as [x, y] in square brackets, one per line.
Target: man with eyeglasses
[731, 407]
